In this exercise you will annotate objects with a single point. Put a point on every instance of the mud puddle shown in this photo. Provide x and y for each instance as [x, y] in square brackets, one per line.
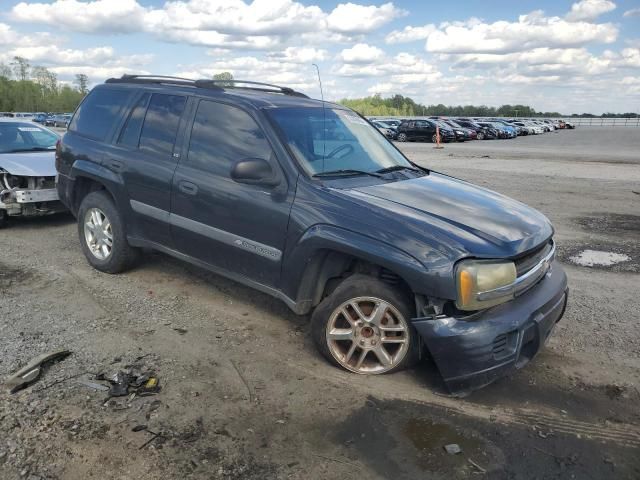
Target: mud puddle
[402, 439]
[610, 223]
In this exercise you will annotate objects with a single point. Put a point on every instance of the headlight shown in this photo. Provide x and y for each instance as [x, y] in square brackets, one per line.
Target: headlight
[484, 283]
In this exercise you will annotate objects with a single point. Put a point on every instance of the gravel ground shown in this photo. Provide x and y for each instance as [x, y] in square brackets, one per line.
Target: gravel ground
[246, 396]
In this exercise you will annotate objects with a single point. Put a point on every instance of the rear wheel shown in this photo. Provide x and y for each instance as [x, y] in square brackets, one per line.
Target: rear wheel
[402, 137]
[434, 138]
[102, 235]
[364, 327]
[480, 136]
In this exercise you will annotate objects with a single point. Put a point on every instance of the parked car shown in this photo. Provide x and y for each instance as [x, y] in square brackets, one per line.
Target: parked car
[23, 115]
[61, 121]
[462, 133]
[569, 125]
[411, 130]
[391, 259]
[526, 129]
[512, 131]
[40, 118]
[502, 132]
[27, 170]
[386, 129]
[482, 132]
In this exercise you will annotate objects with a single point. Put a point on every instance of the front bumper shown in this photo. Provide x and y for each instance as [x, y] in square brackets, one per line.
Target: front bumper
[30, 203]
[473, 353]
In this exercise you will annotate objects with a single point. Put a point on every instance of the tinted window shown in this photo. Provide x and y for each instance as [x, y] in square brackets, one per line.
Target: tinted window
[98, 112]
[131, 133]
[222, 135]
[161, 123]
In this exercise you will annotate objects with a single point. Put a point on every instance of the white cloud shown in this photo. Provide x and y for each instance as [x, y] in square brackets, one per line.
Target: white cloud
[236, 24]
[6, 34]
[589, 9]
[410, 34]
[361, 53]
[530, 31]
[118, 16]
[300, 55]
[382, 88]
[634, 12]
[235, 17]
[353, 18]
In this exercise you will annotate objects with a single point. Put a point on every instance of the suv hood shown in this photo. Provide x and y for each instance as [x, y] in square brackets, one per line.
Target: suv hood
[479, 221]
[29, 164]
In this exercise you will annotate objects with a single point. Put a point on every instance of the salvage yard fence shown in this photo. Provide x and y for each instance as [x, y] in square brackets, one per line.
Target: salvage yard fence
[604, 121]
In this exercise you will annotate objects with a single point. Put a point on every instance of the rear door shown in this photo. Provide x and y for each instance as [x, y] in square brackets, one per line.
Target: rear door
[234, 226]
[144, 156]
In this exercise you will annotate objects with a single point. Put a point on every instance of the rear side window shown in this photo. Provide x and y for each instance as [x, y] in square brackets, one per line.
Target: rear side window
[223, 135]
[161, 123]
[98, 113]
[130, 136]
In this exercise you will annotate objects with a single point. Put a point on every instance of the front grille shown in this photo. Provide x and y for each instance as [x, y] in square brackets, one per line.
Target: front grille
[530, 260]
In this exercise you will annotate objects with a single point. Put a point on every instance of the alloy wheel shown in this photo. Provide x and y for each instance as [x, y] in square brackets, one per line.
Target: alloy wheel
[402, 137]
[98, 233]
[367, 335]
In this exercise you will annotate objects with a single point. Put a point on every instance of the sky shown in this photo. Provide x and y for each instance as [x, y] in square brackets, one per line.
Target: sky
[571, 57]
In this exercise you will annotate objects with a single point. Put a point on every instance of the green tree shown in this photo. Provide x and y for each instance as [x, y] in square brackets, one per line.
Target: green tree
[83, 83]
[224, 76]
[21, 68]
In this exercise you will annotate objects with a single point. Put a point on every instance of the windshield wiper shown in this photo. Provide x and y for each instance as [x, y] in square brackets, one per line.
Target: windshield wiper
[395, 168]
[346, 171]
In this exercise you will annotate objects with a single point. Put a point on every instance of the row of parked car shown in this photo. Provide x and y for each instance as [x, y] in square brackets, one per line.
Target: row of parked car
[60, 120]
[461, 129]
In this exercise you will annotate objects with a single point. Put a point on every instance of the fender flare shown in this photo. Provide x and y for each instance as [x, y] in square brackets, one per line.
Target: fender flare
[307, 259]
[112, 182]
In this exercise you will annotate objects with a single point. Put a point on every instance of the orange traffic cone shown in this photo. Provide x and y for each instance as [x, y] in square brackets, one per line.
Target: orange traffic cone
[438, 138]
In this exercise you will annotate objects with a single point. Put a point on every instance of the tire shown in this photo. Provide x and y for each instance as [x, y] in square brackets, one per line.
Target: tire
[480, 136]
[370, 335]
[402, 137]
[4, 218]
[121, 255]
[434, 138]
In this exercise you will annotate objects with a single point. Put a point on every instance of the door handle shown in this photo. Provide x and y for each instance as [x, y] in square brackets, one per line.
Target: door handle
[115, 165]
[187, 187]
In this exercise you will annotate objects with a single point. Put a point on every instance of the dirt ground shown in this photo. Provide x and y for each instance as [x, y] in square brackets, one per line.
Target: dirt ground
[245, 395]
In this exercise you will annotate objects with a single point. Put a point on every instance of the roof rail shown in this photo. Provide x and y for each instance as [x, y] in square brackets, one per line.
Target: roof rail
[260, 86]
[205, 83]
[126, 78]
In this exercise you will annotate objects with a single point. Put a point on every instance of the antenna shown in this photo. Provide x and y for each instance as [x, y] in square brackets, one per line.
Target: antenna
[324, 119]
[319, 81]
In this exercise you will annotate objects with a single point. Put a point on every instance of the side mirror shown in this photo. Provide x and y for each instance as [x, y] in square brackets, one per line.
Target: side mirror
[254, 171]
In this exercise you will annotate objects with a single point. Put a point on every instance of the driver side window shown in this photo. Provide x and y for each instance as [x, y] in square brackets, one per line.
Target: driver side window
[223, 135]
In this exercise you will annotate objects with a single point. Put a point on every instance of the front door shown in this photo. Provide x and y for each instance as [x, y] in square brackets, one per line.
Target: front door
[237, 227]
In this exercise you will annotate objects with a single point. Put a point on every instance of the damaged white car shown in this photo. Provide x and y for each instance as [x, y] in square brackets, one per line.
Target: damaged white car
[27, 170]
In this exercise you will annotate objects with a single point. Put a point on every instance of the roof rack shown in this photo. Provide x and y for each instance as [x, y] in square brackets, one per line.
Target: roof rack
[260, 86]
[126, 78]
[205, 83]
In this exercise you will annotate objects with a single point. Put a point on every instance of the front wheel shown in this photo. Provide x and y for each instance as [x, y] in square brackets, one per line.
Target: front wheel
[102, 234]
[480, 136]
[364, 327]
[402, 137]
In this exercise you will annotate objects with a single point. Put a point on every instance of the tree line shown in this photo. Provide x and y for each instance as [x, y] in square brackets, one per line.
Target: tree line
[27, 88]
[401, 106]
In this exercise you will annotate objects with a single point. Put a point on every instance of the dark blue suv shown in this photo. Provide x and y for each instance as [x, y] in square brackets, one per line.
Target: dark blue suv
[308, 202]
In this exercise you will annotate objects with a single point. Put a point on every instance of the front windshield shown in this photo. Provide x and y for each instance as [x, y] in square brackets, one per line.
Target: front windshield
[454, 124]
[330, 140]
[25, 137]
